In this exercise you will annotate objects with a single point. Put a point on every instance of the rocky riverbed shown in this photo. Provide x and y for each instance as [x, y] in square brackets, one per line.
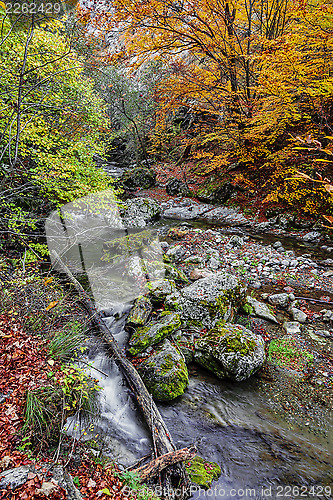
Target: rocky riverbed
[225, 317]
[226, 293]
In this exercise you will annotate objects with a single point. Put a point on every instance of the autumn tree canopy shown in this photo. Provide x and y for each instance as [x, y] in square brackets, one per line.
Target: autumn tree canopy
[256, 75]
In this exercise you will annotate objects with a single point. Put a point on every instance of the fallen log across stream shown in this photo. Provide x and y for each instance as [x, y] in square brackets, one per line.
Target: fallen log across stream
[175, 477]
[153, 468]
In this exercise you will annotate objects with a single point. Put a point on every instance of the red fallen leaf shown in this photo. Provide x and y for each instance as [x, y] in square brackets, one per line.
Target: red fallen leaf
[31, 475]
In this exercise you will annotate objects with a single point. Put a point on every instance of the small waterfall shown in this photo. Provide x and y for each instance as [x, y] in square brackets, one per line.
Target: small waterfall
[124, 435]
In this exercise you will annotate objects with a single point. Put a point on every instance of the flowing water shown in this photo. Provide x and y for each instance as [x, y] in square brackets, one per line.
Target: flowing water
[261, 453]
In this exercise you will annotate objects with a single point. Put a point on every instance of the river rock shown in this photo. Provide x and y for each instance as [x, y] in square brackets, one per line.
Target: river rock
[292, 327]
[176, 186]
[298, 315]
[164, 372]
[279, 299]
[208, 300]
[154, 332]
[236, 241]
[230, 351]
[202, 472]
[327, 316]
[139, 177]
[197, 274]
[261, 310]
[14, 477]
[139, 212]
[176, 252]
[159, 289]
[312, 237]
[139, 313]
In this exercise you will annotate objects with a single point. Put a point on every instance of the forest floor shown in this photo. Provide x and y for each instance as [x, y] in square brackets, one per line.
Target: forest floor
[42, 465]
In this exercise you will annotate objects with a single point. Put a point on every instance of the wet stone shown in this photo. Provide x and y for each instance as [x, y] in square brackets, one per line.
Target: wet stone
[292, 327]
[279, 299]
[164, 372]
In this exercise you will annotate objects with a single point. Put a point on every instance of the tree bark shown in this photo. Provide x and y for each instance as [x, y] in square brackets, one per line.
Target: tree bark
[154, 467]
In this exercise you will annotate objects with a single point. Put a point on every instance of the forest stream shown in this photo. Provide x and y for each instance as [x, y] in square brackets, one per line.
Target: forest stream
[255, 429]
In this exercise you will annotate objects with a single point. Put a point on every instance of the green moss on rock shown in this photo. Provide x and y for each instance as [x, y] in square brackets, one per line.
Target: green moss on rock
[140, 312]
[202, 472]
[159, 289]
[230, 351]
[165, 373]
[154, 333]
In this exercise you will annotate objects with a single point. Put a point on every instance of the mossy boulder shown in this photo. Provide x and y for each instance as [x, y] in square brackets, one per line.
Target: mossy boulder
[139, 313]
[175, 274]
[175, 253]
[164, 372]
[216, 192]
[139, 177]
[202, 472]
[230, 351]
[154, 333]
[126, 245]
[208, 300]
[159, 289]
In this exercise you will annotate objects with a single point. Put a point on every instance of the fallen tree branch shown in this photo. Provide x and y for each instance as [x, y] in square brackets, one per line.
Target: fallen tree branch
[153, 468]
[161, 436]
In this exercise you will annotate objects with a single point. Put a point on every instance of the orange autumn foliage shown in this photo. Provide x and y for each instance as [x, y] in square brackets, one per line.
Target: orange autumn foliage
[255, 76]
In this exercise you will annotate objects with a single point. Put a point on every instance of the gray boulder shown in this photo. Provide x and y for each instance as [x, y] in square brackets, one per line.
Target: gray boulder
[279, 299]
[154, 332]
[292, 327]
[164, 372]
[139, 212]
[230, 351]
[187, 209]
[159, 289]
[261, 310]
[176, 252]
[298, 315]
[312, 237]
[208, 300]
